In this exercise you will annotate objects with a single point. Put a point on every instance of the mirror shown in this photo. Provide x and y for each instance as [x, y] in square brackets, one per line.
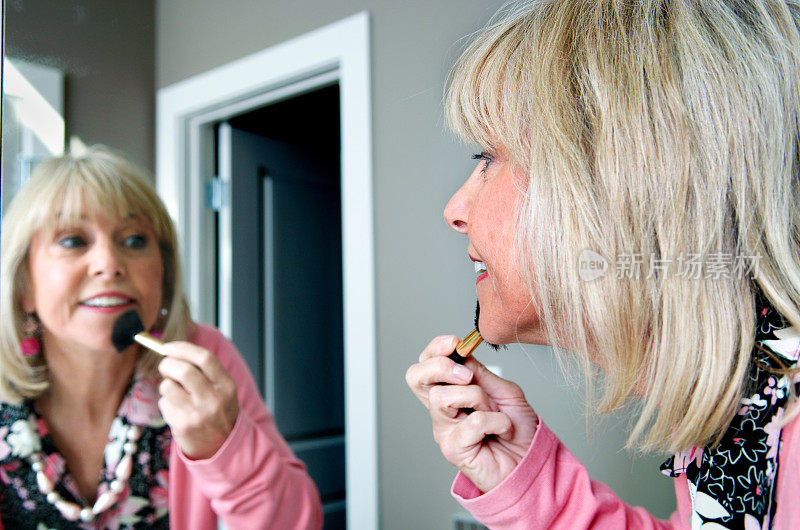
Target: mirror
[33, 120]
[98, 60]
[92, 62]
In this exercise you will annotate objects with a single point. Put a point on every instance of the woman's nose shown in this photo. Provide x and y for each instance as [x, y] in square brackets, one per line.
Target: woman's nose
[456, 213]
[106, 261]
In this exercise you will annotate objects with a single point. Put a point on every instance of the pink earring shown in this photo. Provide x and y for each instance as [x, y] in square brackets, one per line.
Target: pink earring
[30, 344]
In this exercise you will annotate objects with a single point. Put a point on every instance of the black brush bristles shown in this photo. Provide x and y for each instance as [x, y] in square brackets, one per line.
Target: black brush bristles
[125, 328]
[495, 347]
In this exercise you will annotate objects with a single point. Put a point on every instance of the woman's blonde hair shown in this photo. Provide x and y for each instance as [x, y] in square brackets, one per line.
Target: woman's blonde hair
[662, 136]
[59, 192]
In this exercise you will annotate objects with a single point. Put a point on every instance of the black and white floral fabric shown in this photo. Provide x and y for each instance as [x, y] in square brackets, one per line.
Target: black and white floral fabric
[732, 485]
[142, 504]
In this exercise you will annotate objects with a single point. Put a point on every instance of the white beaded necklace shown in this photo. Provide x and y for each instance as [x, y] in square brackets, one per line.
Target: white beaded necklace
[70, 510]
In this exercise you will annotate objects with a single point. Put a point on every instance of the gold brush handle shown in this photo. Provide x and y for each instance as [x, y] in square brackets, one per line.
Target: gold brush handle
[465, 348]
[150, 342]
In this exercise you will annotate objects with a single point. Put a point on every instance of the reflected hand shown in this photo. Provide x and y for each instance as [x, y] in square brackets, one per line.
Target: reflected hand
[487, 444]
[198, 399]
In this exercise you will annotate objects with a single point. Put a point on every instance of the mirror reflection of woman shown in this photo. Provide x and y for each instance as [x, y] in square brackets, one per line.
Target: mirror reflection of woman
[92, 438]
[660, 138]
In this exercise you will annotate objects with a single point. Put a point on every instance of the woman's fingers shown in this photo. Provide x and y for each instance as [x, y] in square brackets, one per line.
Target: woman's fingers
[198, 399]
[448, 400]
[184, 373]
[205, 361]
[463, 439]
[174, 404]
[434, 368]
[174, 392]
[488, 443]
[197, 370]
[441, 345]
[481, 424]
[495, 386]
[434, 371]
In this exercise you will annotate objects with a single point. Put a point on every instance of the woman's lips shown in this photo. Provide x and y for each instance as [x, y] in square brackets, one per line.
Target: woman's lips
[480, 270]
[107, 303]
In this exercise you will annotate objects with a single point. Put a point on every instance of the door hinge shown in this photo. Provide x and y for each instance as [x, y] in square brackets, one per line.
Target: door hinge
[216, 194]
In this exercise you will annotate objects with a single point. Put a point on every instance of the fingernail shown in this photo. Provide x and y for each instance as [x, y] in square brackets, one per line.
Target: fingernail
[444, 339]
[462, 372]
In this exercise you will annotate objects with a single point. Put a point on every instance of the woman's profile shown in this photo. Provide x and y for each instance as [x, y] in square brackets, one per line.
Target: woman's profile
[661, 139]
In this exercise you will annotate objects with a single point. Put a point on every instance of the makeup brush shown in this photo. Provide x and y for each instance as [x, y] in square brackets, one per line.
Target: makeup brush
[466, 346]
[129, 329]
[463, 350]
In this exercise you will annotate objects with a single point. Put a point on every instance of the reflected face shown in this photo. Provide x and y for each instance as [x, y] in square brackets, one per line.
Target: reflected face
[485, 210]
[84, 276]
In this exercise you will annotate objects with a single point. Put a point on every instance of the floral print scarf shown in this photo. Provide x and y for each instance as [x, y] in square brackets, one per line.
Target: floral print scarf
[732, 485]
[142, 504]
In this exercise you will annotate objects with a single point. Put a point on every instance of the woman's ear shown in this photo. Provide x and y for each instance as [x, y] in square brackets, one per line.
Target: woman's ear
[27, 304]
[26, 297]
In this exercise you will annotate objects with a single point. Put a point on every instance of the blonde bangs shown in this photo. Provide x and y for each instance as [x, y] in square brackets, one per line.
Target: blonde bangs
[475, 107]
[81, 188]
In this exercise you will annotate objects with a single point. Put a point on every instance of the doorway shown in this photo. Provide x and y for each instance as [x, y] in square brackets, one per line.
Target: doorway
[188, 118]
[279, 271]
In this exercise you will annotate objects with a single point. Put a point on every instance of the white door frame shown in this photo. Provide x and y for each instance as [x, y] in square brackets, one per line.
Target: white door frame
[184, 112]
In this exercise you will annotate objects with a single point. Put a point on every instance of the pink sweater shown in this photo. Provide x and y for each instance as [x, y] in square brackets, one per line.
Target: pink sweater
[253, 481]
[551, 489]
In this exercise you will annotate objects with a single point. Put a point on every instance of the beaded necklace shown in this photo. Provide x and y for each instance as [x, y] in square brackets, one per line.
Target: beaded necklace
[122, 472]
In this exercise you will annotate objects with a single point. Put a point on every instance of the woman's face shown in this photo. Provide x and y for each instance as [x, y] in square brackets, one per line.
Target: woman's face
[84, 276]
[485, 210]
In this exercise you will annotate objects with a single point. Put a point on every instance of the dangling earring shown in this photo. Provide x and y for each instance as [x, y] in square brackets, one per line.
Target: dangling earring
[160, 323]
[30, 344]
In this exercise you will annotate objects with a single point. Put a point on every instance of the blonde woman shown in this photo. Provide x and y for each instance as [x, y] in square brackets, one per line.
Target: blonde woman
[658, 142]
[92, 438]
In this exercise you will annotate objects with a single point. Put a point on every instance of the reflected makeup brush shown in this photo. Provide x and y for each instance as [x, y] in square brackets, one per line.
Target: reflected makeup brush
[129, 329]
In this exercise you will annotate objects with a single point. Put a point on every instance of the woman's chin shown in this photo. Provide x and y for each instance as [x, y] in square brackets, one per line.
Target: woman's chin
[492, 335]
[497, 336]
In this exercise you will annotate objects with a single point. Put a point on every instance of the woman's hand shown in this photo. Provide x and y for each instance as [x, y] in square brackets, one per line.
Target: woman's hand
[487, 444]
[198, 399]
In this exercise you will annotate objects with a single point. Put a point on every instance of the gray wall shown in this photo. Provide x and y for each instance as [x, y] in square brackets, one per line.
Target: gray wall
[107, 52]
[425, 283]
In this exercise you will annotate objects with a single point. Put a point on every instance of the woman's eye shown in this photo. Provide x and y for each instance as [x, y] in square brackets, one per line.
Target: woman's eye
[485, 157]
[71, 241]
[135, 241]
